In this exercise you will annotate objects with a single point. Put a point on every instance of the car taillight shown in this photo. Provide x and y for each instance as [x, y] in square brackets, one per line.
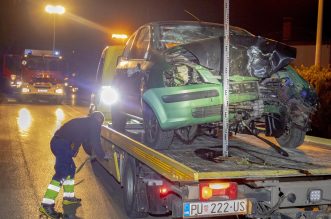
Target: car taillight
[226, 190]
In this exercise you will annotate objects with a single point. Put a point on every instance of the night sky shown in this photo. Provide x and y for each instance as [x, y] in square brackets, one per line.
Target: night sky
[24, 24]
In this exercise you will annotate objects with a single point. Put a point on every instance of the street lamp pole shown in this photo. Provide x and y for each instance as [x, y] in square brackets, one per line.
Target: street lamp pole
[319, 34]
[53, 33]
[54, 10]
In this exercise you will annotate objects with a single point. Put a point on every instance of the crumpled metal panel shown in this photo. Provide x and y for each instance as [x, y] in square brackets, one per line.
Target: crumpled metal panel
[249, 55]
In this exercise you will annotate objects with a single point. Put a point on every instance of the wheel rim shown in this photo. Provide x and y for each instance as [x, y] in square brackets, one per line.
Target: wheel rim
[152, 128]
[287, 136]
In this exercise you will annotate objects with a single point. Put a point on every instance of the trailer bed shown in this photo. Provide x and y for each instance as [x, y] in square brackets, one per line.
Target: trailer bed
[249, 157]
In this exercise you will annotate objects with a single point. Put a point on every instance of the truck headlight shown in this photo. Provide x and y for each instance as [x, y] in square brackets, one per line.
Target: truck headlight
[25, 90]
[108, 95]
[59, 91]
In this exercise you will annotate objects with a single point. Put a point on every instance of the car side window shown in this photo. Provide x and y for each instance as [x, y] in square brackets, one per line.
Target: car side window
[128, 47]
[141, 44]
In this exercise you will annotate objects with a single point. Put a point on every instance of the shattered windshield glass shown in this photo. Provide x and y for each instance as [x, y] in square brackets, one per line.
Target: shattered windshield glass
[176, 34]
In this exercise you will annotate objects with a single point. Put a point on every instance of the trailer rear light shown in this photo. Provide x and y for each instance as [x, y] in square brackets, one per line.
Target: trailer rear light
[226, 190]
[163, 190]
[315, 195]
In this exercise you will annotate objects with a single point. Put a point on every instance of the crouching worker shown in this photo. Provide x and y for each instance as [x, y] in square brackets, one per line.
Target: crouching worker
[65, 144]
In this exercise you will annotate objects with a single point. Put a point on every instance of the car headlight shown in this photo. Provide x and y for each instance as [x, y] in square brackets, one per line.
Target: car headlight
[59, 91]
[25, 90]
[19, 83]
[108, 95]
[74, 89]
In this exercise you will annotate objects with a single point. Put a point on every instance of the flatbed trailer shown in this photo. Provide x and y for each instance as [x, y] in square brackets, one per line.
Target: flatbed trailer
[196, 181]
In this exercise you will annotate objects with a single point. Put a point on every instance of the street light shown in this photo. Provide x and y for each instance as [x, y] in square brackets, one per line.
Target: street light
[54, 9]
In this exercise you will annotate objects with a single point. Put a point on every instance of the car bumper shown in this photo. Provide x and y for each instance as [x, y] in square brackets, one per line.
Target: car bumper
[176, 107]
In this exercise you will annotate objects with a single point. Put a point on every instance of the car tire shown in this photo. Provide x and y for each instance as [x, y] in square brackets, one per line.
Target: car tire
[154, 136]
[292, 139]
[130, 187]
[118, 119]
[187, 134]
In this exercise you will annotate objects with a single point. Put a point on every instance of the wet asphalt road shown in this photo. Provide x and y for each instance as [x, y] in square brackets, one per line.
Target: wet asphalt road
[26, 165]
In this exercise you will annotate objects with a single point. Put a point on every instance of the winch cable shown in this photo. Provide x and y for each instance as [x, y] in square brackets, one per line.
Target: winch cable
[91, 158]
[273, 146]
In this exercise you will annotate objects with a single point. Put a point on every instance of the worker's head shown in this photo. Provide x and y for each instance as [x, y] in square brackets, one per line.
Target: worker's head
[97, 115]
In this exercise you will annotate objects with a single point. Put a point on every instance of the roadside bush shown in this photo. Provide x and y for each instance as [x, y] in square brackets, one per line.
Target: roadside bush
[320, 79]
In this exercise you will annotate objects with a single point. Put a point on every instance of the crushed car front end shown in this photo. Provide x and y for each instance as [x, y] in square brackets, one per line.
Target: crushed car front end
[264, 90]
[192, 95]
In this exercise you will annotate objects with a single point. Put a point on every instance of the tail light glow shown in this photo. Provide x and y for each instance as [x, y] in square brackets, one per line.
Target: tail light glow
[164, 190]
[226, 190]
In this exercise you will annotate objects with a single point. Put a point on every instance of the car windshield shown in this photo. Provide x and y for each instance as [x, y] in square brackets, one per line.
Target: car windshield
[176, 34]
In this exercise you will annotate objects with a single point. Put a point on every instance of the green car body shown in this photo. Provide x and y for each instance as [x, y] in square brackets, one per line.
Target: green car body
[169, 76]
[182, 106]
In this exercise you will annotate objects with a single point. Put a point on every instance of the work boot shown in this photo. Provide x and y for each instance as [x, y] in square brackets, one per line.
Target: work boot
[49, 211]
[71, 200]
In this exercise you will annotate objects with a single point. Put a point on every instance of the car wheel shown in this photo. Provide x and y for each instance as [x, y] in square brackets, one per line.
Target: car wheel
[293, 138]
[187, 134]
[130, 187]
[154, 136]
[118, 119]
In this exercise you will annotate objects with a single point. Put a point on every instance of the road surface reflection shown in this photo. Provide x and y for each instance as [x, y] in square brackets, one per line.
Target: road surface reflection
[24, 121]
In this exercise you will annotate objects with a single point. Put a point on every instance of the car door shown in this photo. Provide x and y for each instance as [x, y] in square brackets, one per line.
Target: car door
[131, 69]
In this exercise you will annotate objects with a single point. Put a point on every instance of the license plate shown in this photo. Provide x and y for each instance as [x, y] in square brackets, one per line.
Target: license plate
[199, 209]
[42, 90]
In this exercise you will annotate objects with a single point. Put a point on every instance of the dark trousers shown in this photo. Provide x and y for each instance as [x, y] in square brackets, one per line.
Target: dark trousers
[64, 164]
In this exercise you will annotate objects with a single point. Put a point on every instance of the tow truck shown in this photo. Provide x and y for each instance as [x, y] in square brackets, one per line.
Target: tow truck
[258, 179]
[197, 181]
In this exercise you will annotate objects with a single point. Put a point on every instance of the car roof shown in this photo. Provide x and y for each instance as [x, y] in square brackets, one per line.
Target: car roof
[183, 22]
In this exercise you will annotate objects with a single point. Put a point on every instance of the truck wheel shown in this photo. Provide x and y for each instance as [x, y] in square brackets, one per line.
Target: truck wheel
[118, 119]
[292, 139]
[130, 190]
[154, 136]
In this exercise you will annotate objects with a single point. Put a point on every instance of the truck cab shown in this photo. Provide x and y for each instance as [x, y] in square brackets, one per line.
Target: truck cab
[103, 95]
[43, 74]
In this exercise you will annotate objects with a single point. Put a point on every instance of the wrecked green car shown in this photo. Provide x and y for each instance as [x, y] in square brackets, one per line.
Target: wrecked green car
[170, 78]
